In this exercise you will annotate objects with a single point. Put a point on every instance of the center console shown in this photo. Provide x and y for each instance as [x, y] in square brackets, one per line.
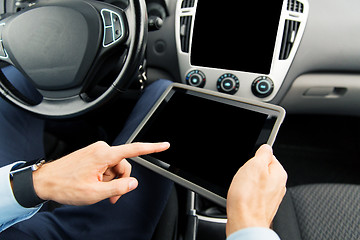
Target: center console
[241, 48]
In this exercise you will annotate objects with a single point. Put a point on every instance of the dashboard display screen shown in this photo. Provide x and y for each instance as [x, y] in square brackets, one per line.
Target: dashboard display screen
[210, 139]
[235, 35]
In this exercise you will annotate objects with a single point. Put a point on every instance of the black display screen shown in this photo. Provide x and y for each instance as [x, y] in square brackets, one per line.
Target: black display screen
[235, 35]
[209, 140]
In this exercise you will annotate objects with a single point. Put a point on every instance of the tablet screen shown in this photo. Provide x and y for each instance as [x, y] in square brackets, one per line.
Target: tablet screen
[210, 137]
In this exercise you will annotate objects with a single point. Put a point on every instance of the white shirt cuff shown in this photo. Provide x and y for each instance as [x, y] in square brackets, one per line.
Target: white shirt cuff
[254, 233]
[11, 211]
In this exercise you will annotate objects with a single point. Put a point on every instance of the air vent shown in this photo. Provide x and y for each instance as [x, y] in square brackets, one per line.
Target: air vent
[290, 31]
[187, 3]
[295, 6]
[185, 27]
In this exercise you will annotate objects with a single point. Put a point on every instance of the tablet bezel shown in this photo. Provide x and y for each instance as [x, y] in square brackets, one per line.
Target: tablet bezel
[252, 105]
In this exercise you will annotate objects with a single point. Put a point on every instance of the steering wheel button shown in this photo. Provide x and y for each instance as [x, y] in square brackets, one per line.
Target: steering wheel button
[106, 17]
[115, 18]
[117, 27]
[108, 37]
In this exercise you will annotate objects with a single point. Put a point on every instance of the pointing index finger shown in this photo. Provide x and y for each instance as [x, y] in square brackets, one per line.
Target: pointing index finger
[136, 149]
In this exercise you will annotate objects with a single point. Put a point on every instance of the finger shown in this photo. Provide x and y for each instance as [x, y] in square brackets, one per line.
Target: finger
[113, 200]
[136, 149]
[123, 169]
[109, 175]
[117, 187]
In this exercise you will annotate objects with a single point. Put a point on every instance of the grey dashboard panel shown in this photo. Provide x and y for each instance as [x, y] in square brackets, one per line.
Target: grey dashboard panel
[320, 93]
[243, 79]
[330, 45]
[161, 51]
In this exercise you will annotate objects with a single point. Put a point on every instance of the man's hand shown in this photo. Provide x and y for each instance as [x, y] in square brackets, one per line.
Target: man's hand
[256, 192]
[91, 174]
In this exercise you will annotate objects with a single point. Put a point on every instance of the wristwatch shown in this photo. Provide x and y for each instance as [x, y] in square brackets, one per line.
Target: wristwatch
[22, 183]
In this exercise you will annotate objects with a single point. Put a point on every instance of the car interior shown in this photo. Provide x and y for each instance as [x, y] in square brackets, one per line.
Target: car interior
[303, 55]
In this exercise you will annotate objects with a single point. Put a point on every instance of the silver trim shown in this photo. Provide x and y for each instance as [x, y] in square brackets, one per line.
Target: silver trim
[192, 212]
[279, 68]
[212, 219]
[5, 52]
[2, 45]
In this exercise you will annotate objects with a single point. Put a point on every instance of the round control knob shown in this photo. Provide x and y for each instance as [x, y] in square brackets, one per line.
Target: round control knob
[228, 83]
[196, 78]
[262, 87]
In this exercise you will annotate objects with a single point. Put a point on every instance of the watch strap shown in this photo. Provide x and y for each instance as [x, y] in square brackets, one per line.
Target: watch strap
[23, 188]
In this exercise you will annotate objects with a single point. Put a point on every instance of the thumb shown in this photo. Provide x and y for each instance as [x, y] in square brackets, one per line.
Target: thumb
[264, 154]
[264, 149]
[118, 187]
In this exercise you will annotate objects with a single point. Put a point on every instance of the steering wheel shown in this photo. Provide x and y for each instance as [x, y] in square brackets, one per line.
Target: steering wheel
[77, 53]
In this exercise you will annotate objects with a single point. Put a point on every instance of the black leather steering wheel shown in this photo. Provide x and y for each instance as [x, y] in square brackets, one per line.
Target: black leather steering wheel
[77, 53]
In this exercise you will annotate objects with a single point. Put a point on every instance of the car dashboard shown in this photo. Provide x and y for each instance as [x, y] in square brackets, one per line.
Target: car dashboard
[301, 55]
[222, 48]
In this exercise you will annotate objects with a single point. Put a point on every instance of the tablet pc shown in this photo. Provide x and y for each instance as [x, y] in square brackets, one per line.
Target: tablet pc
[211, 136]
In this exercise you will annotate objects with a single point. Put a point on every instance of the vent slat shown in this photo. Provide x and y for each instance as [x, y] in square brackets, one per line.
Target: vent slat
[290, 31]
[185, 28]
[295, 6]
[284, 40]
[187, 3]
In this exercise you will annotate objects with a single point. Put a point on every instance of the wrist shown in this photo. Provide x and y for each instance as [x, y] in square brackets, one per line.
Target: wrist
[236, 224]
[40, 184]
